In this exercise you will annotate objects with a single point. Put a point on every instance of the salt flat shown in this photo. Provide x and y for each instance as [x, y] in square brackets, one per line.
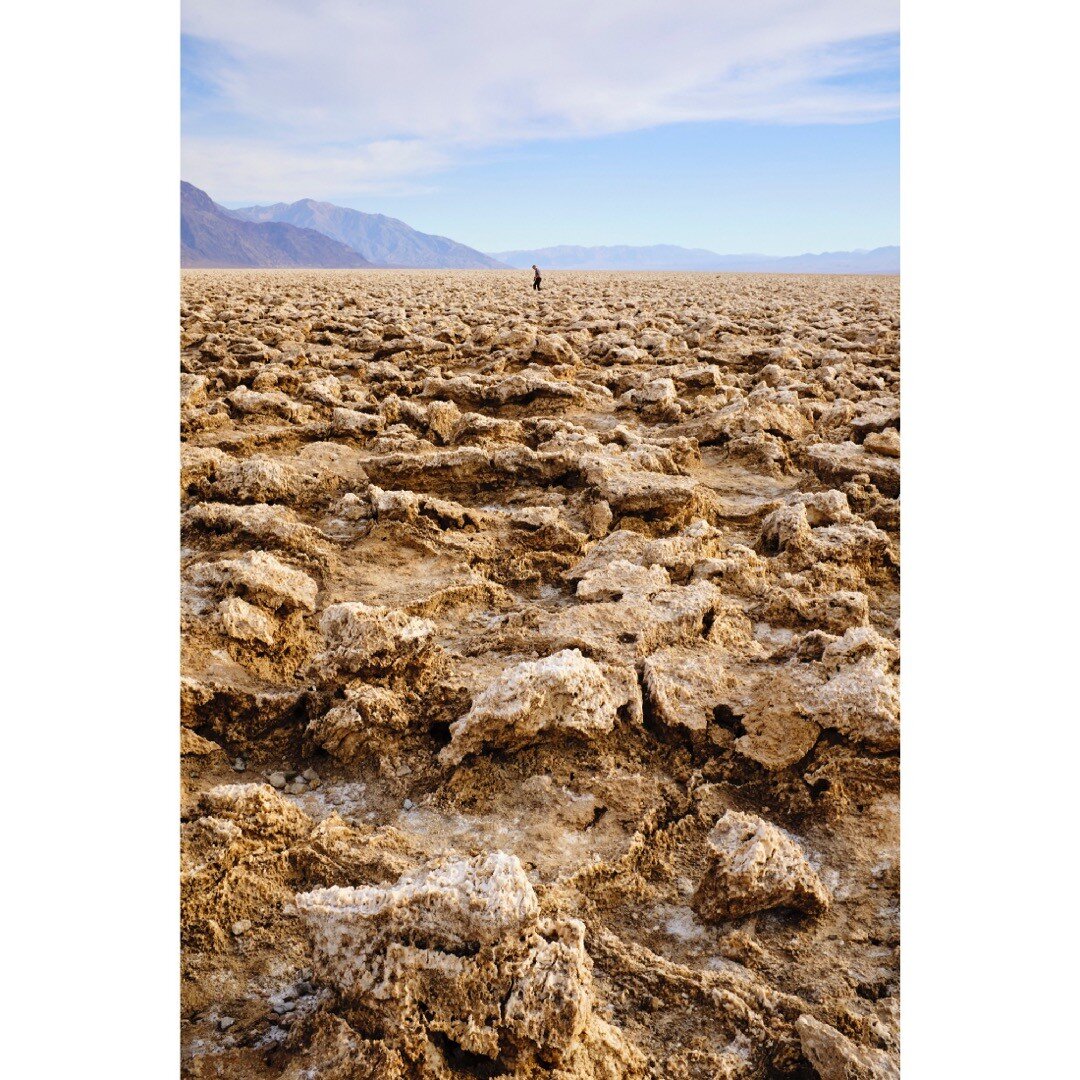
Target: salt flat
[539, 699]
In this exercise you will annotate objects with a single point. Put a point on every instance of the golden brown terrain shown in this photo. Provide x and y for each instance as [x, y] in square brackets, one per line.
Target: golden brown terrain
[539, 702]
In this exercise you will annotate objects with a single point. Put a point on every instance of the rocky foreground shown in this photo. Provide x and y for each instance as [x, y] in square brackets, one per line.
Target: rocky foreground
[539, 701]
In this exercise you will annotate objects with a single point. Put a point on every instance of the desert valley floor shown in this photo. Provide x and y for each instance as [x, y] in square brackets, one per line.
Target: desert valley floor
[539, 676]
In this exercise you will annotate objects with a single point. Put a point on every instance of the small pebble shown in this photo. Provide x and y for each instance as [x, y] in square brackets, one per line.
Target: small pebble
[226, 1022]
[311, 776]
[288, 993]
[408, 804]
[242, 926]
[277, 780]
[297, 787]
[239, 765]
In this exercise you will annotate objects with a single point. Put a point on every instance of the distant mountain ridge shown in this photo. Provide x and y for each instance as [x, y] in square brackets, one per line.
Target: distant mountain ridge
[315, 235]
[882, 260]
[210, 236]
[383, 240]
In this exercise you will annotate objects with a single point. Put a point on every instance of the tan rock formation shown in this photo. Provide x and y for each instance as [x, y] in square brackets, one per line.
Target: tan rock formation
[835, 1057]
[565, 691]
[754, 866]
[457, 950]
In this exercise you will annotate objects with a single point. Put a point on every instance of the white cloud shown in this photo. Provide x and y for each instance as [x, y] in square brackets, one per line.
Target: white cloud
[378, 92]
[263, 170]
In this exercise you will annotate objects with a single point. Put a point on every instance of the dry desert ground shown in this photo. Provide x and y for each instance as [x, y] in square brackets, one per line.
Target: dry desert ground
[539, 699]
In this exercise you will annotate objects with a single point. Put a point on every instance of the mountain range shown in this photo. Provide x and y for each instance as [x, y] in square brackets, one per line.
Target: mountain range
[211, 236]
[382, 240]
[882, 260]
[319, 234]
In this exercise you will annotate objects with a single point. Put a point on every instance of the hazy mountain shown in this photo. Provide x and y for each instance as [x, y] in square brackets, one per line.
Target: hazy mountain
[318, 234]
[211, 236]
[384, 240]
[883, 260]
[621, 257]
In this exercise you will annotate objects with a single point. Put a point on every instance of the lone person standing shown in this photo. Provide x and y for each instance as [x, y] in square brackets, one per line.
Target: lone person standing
[536, 277]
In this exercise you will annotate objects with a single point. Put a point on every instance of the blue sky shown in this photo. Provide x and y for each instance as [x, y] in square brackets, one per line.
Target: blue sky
[704, 123]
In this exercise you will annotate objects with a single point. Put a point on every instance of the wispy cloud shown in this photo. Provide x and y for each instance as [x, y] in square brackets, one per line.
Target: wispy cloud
[310, 97]
[262, 169]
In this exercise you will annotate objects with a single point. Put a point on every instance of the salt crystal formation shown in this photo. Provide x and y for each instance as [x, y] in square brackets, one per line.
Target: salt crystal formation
[458, 949]
[359, 637]
[686, 685]
[835, 1057]
[753, 866]
[540, 676]
[347, 731]
[566, 691]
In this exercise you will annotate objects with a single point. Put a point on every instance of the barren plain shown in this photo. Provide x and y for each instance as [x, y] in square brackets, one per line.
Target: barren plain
[539, 676]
